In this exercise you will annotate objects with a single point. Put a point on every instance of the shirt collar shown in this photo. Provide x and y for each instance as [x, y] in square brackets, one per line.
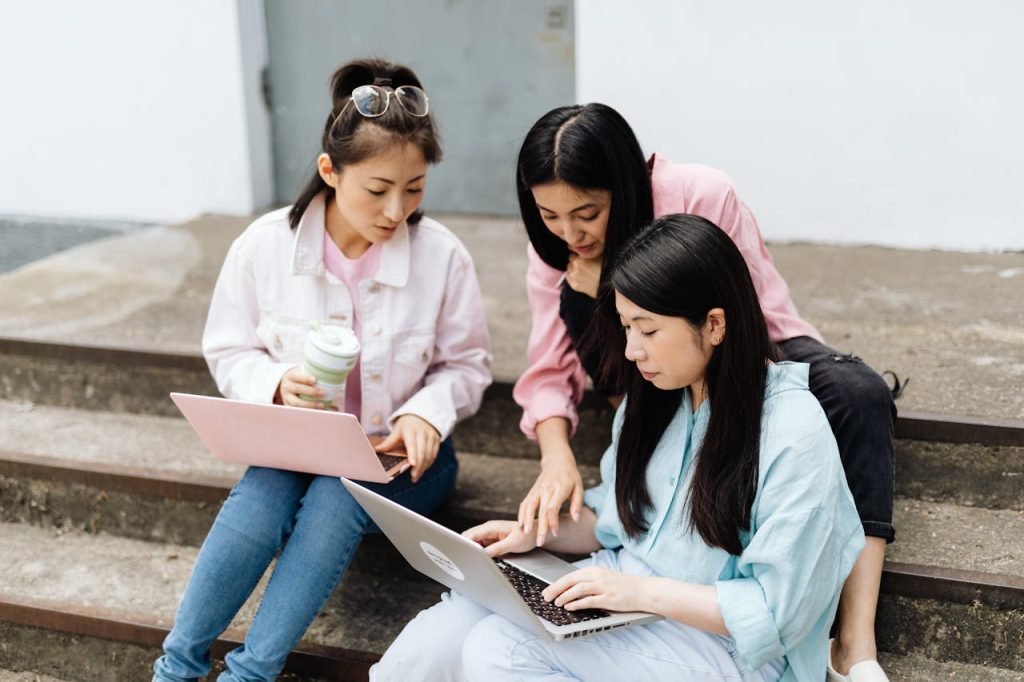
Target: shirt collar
[308, 248]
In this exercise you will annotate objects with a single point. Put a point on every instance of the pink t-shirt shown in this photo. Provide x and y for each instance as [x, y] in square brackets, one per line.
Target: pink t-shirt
[351, 273]
[553, 384]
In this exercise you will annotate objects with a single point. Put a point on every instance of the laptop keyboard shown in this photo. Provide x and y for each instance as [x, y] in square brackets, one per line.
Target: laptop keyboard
[389, 461]
[530, 588]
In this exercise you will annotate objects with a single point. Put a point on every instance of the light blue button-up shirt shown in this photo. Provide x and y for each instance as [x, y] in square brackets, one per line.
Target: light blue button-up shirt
[778, 597]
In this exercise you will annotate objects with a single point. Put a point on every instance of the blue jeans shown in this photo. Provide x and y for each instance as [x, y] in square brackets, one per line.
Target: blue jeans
[316, 526]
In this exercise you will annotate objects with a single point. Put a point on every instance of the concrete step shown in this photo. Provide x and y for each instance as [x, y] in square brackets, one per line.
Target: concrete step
[915, 668]
[138, 382]
[12, 676]
[137, 584]
[954, 586]
[165, 449]
[95, 607]
[151, 478]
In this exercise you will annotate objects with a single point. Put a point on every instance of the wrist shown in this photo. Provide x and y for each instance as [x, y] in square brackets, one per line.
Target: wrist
[647, 595]
[556, 456]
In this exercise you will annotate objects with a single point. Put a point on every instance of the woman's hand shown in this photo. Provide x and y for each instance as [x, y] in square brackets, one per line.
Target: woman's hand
[559, 480]
[500, 537]
[595, 587]
[583, 274]
[421, 441]
[296, 383]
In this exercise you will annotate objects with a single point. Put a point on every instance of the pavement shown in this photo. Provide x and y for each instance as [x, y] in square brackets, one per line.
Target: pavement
[950, 322]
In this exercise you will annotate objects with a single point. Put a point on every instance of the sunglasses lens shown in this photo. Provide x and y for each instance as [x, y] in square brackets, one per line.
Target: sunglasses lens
[413, 99]
[370, 100]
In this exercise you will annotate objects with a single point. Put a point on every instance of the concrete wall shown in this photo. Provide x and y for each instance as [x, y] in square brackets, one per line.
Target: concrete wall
[869, 122]
[132, 110]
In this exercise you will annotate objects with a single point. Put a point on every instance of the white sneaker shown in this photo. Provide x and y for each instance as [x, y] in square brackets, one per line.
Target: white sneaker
[867, 671]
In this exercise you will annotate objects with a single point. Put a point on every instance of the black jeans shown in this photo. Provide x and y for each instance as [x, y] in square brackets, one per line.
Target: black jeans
[861, 411]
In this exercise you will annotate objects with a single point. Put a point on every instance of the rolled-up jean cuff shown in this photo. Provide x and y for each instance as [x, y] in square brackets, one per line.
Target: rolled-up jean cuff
[877, 529]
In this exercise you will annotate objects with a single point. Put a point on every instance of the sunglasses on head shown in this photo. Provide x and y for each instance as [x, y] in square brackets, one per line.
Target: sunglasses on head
[372, 101]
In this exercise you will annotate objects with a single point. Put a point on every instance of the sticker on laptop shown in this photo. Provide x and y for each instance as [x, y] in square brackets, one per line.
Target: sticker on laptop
[442, 561]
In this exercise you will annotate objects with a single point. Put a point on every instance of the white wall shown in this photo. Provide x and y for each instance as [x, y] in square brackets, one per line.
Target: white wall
[896, 123]
[131, 110]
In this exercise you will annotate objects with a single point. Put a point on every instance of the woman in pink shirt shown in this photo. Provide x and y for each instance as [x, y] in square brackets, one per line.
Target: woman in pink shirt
[584, 188]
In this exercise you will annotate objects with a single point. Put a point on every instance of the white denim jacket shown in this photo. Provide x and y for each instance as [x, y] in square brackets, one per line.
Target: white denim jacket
[425, 346]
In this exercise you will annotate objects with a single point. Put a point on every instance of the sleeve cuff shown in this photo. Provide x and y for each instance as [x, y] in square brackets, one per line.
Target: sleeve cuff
[264, 382]
[595, 497]
[439, 413]
[749, 622]
[544, 406]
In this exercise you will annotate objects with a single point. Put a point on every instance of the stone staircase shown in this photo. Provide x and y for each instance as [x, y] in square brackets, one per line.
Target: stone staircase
[106, 493]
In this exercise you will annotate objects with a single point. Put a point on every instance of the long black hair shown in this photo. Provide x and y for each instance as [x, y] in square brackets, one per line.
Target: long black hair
[589, 146]
[348, 135]
[683, 266]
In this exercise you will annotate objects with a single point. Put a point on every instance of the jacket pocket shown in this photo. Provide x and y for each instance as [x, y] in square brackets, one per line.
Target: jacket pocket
[412, 353]
[283, 335]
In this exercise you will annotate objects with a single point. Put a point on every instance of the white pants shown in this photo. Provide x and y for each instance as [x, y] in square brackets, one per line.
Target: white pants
[458, 640]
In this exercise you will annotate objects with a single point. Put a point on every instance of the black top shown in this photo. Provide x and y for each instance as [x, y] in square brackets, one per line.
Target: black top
[576, 311]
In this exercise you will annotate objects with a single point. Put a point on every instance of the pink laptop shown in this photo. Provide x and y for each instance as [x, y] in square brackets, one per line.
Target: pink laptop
[293, 438]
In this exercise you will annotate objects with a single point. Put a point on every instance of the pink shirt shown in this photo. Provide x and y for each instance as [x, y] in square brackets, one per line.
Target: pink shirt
[351, 273]
[553, 384]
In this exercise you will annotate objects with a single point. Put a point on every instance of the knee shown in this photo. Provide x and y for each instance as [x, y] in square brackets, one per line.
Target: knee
[419, 656]
[327, 498]
[488, 649]
[430, 645]
[262, 505]
[872, 397]
[861, 396]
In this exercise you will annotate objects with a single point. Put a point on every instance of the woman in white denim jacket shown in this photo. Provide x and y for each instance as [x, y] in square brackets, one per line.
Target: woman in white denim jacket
[351, 251]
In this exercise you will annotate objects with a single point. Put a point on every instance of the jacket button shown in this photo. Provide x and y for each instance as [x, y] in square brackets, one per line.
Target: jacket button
[375, 377]
[277, 342]
[376, 420]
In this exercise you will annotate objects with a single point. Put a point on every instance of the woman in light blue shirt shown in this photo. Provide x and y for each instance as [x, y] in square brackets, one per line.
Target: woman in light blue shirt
[723, 505]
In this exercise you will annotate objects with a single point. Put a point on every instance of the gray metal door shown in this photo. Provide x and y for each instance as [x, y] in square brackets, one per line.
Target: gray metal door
[491, 68]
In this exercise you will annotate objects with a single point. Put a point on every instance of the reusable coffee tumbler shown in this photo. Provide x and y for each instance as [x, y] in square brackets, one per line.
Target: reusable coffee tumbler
[330, 354]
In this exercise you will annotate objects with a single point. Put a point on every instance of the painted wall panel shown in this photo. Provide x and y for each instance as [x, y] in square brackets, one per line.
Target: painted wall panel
[870, 122]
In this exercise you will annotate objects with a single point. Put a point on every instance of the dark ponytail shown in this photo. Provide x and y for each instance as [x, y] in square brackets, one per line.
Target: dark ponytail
[349, 137]
[683, 266]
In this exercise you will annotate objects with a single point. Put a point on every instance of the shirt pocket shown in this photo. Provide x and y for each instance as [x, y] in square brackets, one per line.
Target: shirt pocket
[412, 352]
[283, 335]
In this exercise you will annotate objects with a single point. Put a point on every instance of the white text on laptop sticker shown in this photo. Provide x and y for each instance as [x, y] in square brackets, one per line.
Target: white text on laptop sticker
[443, 562]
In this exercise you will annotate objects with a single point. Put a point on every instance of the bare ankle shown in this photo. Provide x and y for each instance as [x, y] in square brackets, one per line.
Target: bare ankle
[849, 650]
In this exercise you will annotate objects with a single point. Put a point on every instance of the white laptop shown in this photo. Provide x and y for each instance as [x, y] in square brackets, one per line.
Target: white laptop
[294, 438]
[509, 586]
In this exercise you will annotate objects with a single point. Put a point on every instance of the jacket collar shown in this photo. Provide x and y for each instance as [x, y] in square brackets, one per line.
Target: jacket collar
[308, 248]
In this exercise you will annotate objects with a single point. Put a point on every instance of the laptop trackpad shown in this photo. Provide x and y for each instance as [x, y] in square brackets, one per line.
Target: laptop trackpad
[541, 564]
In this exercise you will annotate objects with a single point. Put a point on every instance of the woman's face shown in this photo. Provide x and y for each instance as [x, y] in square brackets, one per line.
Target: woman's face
[669, 351]
[373, 197]
[579, 217]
